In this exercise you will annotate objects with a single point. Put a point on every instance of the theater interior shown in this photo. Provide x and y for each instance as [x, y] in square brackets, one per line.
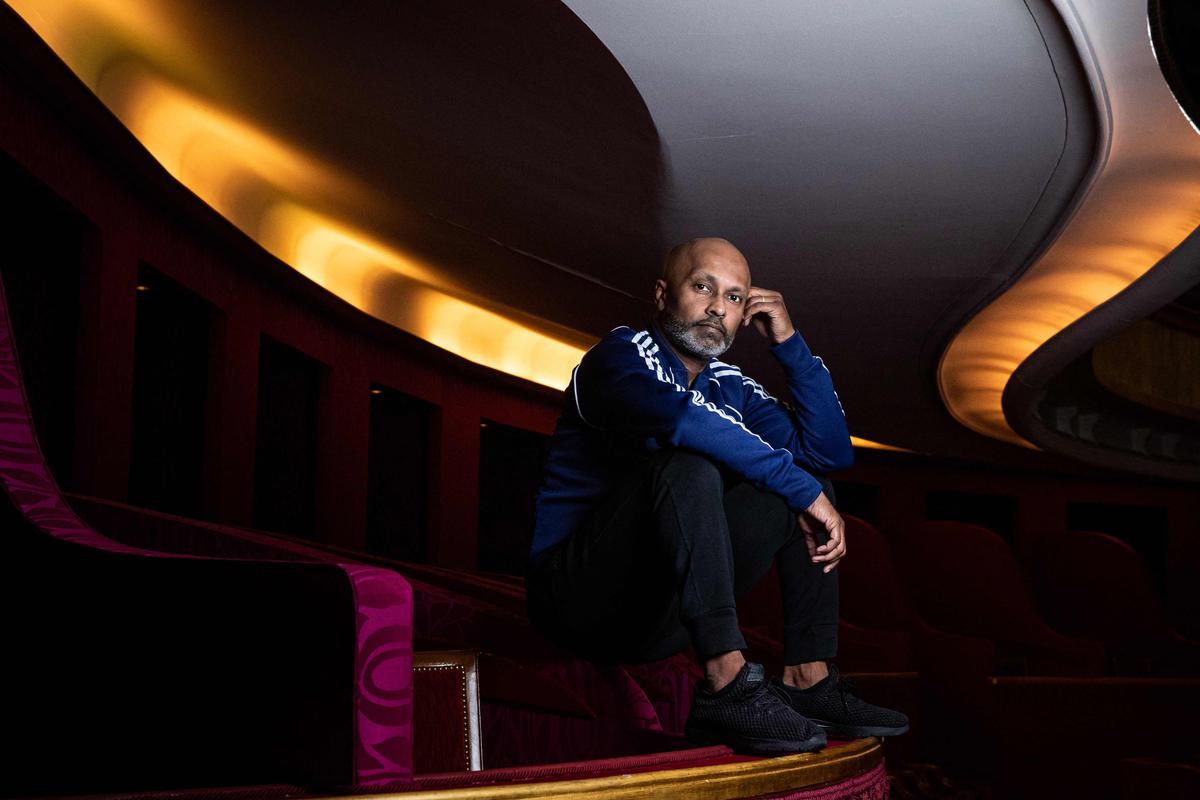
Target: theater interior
[291, 292]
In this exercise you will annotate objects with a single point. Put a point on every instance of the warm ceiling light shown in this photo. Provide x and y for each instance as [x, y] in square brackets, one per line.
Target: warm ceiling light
[93, 35]
[1143, 201]
[274, 192]
[858, 441]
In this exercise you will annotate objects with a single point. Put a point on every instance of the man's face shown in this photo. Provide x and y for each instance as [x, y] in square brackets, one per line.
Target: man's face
[700, 306]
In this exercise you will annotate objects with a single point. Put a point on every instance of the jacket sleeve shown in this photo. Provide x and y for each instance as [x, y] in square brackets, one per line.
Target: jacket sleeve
[619, 388]
[814, 430]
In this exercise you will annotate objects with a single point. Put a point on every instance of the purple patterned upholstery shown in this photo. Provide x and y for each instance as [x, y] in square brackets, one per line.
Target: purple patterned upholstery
[381, 750]
[383, 675]
[385, 608]
[612, 707]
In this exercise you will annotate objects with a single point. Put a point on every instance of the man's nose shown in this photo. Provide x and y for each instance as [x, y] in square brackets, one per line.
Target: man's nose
[716, 307]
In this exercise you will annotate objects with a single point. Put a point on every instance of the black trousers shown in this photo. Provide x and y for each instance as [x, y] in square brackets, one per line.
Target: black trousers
[661, 562]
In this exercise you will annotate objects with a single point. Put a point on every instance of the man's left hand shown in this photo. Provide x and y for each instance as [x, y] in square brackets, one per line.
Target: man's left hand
[767, 311]
[822, 515]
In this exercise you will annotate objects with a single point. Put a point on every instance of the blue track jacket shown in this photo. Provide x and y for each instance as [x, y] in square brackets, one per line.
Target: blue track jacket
[628, 397]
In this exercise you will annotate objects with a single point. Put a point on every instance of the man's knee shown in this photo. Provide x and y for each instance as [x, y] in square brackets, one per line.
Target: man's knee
[685, 468]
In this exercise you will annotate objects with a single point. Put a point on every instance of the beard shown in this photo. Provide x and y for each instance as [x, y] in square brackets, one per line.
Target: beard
[698, 339]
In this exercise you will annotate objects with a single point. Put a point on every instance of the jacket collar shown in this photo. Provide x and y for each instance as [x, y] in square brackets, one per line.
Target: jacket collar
[671, 361]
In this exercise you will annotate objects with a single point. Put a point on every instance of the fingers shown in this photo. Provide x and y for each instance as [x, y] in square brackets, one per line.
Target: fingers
[767, 311]
[810, 534]
[834, 549]
[762, 301]
[758, 291]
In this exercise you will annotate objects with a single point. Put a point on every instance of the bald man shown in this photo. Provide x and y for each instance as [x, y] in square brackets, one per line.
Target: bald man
[672, 484]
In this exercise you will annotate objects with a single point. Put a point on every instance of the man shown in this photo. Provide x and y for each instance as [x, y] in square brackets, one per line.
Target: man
[673, 482]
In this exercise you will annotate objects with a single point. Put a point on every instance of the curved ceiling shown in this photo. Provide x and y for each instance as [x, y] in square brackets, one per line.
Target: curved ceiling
[1113, 388]
[1140, 204]
[502, 180]
[874, 160]
[428, 163]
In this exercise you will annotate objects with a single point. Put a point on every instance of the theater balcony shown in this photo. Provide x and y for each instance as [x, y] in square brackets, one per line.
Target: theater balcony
[289, 296]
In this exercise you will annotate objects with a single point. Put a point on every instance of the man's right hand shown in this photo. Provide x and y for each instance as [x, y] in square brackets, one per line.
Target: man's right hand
[822, 516]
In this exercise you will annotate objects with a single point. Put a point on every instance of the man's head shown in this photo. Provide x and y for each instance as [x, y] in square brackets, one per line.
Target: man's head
[701, 296]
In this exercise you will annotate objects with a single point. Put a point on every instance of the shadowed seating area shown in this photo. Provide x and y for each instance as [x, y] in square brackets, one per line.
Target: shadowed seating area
[945, 564]
[205, 622]
[311, 318]
[1095, 586]
[189, 651]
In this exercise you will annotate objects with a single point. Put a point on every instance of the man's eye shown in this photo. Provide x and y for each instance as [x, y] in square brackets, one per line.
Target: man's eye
[735, 298]
[701, 287]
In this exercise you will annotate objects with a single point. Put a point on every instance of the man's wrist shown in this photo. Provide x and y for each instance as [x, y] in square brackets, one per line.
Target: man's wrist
[793, 347]
[783, 338]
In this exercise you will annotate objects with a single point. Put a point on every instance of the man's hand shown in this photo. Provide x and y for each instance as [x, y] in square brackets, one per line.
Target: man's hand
[822, 516]
[766, 310]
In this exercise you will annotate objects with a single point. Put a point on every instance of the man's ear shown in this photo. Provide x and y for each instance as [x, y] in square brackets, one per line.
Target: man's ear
[660, 294]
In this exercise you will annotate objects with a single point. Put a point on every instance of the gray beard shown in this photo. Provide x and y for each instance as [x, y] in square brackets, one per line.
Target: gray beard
[686, 337]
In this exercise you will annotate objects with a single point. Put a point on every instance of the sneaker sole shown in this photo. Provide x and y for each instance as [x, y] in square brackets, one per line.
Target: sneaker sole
[852, 732]
[758, 747]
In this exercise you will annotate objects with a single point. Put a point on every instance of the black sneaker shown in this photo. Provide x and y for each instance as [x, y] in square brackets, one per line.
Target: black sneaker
[750, 718]
[832, 704]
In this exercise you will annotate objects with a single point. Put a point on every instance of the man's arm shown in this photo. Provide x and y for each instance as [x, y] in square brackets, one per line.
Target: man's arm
[620, 387]
[817, 436]
[815, 431]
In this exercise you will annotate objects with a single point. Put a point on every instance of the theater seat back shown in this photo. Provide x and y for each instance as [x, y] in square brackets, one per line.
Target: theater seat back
[871, 592]
[134, 669]
[964, 578]
[1096, 586]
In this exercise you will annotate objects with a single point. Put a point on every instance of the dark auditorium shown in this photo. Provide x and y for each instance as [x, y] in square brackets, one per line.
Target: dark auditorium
[579, 399]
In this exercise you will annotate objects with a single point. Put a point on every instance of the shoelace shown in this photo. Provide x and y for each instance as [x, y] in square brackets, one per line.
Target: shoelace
[845, 687]
[767, 696]
[780, 691]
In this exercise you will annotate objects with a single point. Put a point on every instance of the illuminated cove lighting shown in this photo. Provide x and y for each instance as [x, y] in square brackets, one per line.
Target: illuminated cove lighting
[122, 49]
[275, 193]
[858, 441]
[1144, 200]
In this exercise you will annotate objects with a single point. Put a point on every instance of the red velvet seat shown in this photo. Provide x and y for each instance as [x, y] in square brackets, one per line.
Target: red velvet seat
[873, 629]
[964, 579]
[1158, 779]
[875, 613]
[1095, 586]
[540, 704]
[129, 668]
